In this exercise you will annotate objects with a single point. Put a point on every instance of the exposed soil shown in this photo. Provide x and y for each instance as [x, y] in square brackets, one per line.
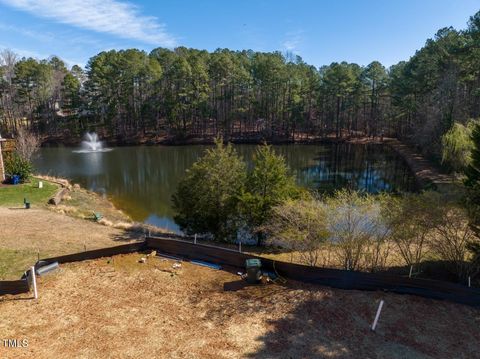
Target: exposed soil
[119, 308]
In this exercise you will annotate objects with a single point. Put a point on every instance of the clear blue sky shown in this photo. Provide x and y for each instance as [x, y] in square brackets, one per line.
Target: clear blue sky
[321, 31]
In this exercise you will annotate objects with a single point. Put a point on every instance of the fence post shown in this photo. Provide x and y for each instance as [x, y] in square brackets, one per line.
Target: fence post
[240, 247]
[374, 325]
[469, 282]
[34, 281]
[411, 270]
[195, 239]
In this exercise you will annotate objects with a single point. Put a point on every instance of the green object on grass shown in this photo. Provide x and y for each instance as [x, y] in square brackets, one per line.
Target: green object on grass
[97, 216]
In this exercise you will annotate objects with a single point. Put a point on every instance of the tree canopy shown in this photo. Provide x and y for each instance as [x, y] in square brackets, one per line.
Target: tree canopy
[132, 95]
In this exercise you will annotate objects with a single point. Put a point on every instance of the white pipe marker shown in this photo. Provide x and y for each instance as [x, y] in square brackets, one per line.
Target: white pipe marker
[34, 281]
[374, 325]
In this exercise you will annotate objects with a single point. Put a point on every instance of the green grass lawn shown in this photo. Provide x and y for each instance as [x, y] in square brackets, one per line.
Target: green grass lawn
[14, 262]
[13, 195]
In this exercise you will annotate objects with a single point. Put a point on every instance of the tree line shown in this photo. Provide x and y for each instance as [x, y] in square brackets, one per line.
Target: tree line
[183, 93]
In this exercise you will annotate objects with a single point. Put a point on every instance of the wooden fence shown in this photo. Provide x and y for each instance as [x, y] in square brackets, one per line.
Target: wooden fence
[8, 145]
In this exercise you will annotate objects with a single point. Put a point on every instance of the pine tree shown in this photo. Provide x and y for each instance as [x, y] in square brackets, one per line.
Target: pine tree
[206, 201]
[268, 185]
[473, 182]
[473, 170]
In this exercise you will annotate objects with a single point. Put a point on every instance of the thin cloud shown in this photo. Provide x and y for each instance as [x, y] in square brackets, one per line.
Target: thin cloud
[41, 56]
[41, 36]
[293, 40]
[106, 16]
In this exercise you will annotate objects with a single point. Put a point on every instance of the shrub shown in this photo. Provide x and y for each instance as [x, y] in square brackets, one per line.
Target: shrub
[410, 222]
[16, 165]
[299, 226]
[452, 236]
[356, 226]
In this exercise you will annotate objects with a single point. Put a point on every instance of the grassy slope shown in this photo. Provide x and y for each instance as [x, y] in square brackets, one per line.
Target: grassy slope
[13, 262]
[24, 232]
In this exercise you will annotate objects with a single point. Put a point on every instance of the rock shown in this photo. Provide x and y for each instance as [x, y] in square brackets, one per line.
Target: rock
[76, 186]
[143, 260]
[55, 200]
[152, 254]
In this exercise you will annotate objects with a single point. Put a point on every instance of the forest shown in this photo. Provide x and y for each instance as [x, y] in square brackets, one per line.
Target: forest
[132, 96]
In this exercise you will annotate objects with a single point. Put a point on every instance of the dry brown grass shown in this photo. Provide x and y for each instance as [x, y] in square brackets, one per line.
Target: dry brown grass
[81, 203]
[329, 256]
[119, 308]
[25, 232]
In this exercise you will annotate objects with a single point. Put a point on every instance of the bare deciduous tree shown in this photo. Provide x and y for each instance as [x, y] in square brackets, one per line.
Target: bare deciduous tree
[26, 143]
[452, 238]
[357, 229]
[299, 226]
[409, 219]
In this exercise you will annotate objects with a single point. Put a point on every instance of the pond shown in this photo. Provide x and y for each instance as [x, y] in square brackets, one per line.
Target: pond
[140, 180]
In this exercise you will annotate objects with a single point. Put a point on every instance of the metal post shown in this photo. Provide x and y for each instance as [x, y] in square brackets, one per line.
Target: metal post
[469, 282]
[195, 239]
[34, 281]
[374, 325]
[411, 270]
[240, 247]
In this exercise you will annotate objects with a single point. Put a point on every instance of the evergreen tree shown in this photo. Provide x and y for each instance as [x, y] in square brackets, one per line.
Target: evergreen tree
[473, 181]
[473, 170]
[206, 201]
[268, 185]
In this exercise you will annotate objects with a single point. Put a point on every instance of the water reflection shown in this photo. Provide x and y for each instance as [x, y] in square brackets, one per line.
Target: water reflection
[141, 180]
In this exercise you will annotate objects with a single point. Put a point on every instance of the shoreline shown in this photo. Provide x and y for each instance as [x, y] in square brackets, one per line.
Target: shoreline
[210, 140]
[78, 202]
[426, 172]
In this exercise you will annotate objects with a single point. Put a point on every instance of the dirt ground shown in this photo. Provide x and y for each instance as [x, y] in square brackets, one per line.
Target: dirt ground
[119, 308]
[24, 232]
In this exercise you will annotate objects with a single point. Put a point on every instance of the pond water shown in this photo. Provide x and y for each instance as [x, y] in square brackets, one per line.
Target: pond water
[140, 180]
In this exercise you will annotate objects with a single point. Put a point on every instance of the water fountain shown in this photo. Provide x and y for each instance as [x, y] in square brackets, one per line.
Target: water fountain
[92, 144]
